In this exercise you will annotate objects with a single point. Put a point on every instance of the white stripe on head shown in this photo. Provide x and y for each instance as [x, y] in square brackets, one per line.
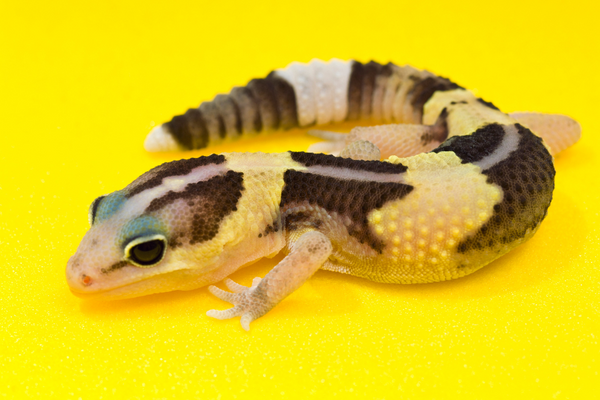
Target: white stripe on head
[178, 183]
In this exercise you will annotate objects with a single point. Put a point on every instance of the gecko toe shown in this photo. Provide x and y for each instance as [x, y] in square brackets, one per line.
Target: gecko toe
[222, 294]
[234, 286]
[225, 314]
[245, 321]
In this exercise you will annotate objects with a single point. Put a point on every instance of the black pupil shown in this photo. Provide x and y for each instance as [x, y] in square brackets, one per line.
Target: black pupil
[148, 253]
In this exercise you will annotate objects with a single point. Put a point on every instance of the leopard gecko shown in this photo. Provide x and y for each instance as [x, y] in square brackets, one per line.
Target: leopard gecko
[461, 183]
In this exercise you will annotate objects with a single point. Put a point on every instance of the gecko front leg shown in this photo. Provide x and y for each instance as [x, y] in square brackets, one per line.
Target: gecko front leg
[306, 256]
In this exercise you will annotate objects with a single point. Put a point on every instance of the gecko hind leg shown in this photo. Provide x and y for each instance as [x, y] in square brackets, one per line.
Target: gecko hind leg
[405, 140]
[306, 256]
[402, 140]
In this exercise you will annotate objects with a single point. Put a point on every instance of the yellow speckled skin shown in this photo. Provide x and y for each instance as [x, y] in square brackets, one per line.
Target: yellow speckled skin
[422, 231]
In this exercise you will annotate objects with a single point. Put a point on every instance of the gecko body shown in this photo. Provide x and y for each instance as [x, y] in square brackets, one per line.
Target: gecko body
[461, 184]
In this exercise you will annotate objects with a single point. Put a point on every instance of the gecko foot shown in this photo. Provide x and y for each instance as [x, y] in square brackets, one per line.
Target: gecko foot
[249, 302]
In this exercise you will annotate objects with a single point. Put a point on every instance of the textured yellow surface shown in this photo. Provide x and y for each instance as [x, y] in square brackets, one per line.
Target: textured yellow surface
[81, 84]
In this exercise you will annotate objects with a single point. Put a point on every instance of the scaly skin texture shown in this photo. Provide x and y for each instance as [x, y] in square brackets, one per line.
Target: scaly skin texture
[472, 184]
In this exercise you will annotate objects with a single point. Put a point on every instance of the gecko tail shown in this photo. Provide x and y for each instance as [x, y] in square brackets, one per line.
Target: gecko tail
[302, 95]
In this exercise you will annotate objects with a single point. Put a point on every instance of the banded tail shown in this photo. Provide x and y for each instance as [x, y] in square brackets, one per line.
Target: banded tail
[303, 95]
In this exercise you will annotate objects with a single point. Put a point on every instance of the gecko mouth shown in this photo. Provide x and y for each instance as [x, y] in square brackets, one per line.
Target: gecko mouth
[174, 280]
[106, 294]
[85, 289]
[95, 286]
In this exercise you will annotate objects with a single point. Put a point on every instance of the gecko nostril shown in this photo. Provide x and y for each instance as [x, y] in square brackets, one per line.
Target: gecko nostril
[86, 280]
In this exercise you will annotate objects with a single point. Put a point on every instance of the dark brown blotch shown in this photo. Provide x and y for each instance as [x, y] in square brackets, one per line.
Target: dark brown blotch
[352, 198]
[214, 199]
[476, 146]
[327, 160]
[524, 205]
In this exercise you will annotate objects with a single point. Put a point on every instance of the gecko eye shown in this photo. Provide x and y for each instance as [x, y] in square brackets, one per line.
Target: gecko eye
[146, 252]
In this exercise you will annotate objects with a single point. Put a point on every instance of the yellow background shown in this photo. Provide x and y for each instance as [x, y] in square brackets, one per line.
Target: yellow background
[82, 84]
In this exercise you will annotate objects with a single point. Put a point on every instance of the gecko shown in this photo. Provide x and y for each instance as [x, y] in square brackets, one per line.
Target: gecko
[445, 184]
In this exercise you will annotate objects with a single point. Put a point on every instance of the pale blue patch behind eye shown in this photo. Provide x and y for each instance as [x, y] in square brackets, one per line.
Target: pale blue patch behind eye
[109, 205]
[145, 225]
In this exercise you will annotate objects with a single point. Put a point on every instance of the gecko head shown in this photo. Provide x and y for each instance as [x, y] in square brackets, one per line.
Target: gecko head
[122, 247]
[154, 239]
